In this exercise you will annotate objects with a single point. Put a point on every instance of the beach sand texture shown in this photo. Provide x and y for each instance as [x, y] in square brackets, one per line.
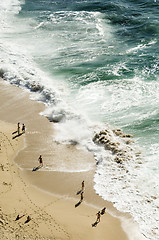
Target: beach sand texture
[48, 197]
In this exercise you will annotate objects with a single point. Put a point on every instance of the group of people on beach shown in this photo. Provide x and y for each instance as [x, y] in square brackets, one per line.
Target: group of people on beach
[23, 131]
[18, 128]
[99, 213]
[19, 217]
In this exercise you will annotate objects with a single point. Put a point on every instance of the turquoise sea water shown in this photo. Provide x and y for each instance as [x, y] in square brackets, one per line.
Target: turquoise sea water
[97, 63]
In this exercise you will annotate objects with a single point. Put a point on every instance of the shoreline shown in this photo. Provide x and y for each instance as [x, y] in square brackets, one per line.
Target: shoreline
[19, 107]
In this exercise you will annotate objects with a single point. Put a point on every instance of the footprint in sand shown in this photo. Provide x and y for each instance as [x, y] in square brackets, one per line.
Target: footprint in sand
[7, 184]
[2, 167]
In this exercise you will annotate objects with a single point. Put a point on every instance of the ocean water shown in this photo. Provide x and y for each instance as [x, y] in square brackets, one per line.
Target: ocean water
[96, 65]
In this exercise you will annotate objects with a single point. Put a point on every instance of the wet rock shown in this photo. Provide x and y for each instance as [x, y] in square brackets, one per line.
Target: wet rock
[118, 132]
[102, 133]
[73, 142]
[56, 118]
[101, 138]
[154, 197]
[126, 136]
[1, 73]
[128, 142]
[118, 144]
[96, 136]
[118, 160]
[110, 147]
[138, 154]
[36, 87]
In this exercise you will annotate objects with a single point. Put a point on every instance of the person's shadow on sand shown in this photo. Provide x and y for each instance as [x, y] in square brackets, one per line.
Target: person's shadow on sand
[14, 132]
[18, 135]
[77, 204]
[95, 224]
[36, 168]
[28, 220]
[19, 217]
[79, 192]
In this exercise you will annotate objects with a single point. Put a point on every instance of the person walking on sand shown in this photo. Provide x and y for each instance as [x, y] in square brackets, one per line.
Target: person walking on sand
[103, 211]
[18, 130]
[98, 217]
[82, 186]
[81, 197]
[40, 160]
[28, 219]
[23, 128]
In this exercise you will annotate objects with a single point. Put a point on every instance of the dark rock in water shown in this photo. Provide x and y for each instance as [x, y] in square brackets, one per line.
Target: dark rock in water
[127, 136]
[103, 133]
[56, 118]
[1, 73]
[47, 96]
[154, 197]
[73, 142]
[102, 140]
[96, 136]
[36, 87]
[51, 119]
[118, 160]
[114, 151]
[118, 132]
[117, 145]
[128, 142]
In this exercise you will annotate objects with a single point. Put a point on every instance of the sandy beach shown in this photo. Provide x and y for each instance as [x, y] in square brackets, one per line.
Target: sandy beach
[48, 197]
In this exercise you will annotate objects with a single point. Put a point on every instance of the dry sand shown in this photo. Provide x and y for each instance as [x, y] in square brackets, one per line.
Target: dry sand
[48, 197]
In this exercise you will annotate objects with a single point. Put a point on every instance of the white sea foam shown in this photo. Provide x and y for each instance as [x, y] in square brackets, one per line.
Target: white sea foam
[140, 47]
